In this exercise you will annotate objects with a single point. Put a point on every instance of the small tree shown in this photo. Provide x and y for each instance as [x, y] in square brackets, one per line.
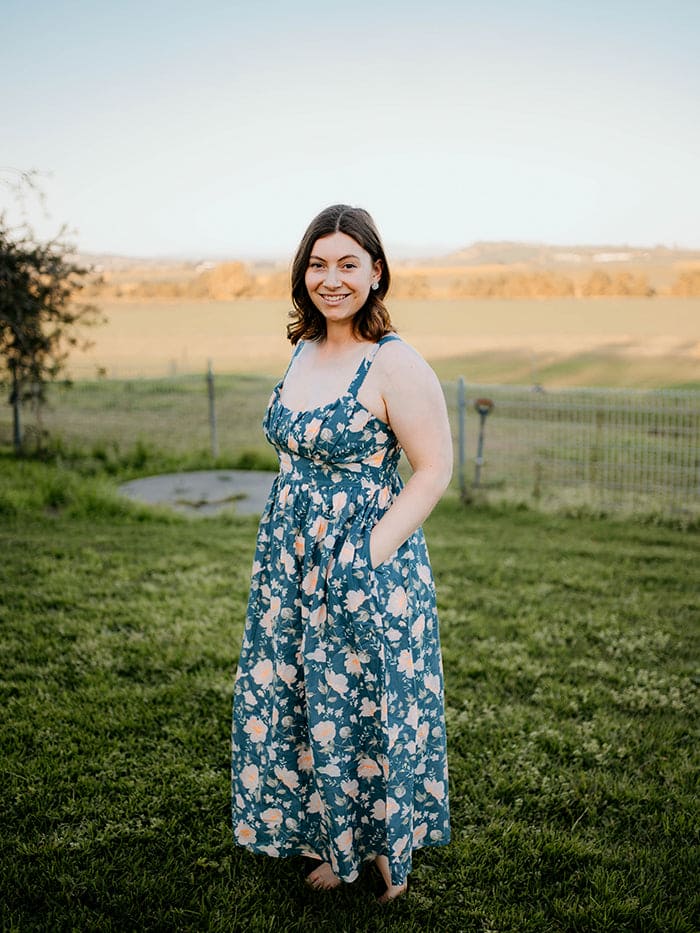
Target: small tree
[40, 319]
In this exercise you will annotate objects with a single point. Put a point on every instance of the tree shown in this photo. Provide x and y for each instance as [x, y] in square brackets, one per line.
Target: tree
[40, 319]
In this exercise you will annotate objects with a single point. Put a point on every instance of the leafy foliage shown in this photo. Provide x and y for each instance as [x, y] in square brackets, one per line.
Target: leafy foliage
[40, 319]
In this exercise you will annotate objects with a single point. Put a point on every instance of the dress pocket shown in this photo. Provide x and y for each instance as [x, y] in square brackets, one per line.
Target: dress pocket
[365, 554]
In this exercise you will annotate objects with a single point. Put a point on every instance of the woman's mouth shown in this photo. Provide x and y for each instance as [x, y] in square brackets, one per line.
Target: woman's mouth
[334, 299]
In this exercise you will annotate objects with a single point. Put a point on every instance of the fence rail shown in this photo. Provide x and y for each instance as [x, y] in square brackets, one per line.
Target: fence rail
[615, 448]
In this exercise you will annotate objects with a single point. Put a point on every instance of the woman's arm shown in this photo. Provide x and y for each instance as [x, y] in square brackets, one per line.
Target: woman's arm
[417, 413]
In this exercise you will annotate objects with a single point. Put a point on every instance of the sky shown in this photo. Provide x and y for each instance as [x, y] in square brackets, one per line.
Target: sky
[221, 128]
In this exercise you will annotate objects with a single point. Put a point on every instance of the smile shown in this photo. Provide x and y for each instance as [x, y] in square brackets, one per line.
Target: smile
[334, 299]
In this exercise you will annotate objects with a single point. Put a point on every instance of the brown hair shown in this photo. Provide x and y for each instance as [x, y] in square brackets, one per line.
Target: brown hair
[372, 321]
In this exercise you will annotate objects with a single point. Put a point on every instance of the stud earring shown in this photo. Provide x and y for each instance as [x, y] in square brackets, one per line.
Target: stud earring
[375, 286]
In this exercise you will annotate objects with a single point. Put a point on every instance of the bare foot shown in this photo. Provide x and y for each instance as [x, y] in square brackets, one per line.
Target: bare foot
[322, 878]
[392, 890]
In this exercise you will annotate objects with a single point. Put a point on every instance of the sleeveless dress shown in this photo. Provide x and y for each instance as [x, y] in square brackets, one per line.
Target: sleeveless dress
[338, 737]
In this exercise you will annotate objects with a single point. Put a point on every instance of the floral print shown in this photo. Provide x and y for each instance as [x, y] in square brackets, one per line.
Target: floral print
[338, 738]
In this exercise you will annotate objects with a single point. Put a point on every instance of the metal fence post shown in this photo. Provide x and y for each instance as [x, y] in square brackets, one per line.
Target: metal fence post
[212, 411]
[461, 412]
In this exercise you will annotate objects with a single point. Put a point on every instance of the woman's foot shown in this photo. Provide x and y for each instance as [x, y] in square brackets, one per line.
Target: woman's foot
[319, 875]
[392, 891]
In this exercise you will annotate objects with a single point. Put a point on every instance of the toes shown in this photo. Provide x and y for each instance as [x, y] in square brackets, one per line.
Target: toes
[392, 893]
[322, 878]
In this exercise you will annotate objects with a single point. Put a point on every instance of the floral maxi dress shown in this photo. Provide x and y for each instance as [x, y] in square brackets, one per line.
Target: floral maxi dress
[338, 738]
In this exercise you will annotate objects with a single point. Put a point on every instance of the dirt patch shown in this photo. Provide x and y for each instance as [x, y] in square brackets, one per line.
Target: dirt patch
[204, 492]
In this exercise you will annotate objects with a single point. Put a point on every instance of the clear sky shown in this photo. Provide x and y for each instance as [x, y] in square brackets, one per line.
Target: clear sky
[220, 128]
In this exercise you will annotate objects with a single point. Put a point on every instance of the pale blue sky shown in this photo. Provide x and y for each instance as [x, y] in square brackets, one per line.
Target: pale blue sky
[221, 128]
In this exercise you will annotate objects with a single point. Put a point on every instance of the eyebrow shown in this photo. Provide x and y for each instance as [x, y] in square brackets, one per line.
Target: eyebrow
[342, 258]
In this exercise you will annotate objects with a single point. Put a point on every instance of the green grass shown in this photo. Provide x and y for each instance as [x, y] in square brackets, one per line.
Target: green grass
[570, 649]
[162, 422]
[619, 450]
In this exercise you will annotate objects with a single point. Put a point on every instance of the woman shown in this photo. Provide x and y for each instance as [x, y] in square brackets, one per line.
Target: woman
[338, 729]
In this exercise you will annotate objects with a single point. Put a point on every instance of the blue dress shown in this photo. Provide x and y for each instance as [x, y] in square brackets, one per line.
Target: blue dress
[338, 738]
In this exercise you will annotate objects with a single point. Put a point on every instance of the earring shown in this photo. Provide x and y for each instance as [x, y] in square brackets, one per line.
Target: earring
[375, 286]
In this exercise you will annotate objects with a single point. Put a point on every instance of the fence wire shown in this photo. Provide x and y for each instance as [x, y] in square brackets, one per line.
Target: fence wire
[615, 448]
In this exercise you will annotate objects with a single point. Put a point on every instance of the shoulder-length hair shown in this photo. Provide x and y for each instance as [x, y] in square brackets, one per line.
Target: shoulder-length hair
[372, 321]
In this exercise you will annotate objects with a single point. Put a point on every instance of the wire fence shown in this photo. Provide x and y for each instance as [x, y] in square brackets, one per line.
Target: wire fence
[612, 448]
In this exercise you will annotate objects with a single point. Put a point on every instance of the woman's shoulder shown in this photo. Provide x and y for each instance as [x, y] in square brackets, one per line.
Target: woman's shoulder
[397, 360]
[394, 349]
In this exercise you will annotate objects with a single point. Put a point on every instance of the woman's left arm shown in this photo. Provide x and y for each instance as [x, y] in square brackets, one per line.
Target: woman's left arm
[417, 413]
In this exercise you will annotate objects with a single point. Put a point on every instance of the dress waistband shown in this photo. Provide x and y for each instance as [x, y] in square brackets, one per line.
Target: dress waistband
[319, 472]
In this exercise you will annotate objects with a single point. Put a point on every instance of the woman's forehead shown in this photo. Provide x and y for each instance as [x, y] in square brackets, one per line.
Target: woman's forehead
[337, 246]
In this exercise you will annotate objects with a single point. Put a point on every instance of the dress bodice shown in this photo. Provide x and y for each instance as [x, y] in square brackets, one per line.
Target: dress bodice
[340, 440]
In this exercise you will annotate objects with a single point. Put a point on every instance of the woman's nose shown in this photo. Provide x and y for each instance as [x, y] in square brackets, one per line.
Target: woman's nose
[332, 278]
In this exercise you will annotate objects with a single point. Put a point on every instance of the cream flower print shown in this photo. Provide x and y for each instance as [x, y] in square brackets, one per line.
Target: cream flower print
[351, 788]
[368, 707]
[359, 420]
[405, 664]
[305, 759]
[347, 554]
[398, 601]
[367, 768]
[337, 682]
[245, 834]
[354, 599]
[289, 778]
[310, 581]
[339, 502]
[312, 429]
[324, 731]
[436, 788]
[272, 816]
[262, 672]
[338, 735]
[250, 777]
[433, 683]
[287, 673]
[256, 729]
[344, 840]
[353, 664]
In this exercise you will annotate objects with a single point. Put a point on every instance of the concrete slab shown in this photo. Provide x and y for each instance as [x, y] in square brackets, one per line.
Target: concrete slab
[204, 492]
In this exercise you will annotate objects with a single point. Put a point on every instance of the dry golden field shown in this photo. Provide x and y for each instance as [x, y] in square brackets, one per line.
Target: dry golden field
[593, 341]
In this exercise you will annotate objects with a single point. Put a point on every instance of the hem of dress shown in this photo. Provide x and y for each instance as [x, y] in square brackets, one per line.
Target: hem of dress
[309, 851]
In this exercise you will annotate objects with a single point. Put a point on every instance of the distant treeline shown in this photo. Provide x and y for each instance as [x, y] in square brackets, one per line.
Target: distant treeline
[231, 280]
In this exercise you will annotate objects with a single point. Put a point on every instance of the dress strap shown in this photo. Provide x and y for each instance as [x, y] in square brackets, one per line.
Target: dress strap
[367, 361]
[297, 350]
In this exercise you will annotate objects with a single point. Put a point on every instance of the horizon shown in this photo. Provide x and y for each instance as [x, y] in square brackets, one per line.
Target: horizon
[395, 252]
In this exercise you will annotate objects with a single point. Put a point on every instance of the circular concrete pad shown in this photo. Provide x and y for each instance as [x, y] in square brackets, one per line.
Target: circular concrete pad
[205, 492]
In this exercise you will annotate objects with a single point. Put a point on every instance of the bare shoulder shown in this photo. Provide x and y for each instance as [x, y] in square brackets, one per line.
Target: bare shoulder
[400, 364]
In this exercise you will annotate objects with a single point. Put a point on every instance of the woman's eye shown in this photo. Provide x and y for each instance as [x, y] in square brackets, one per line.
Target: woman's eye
[350, 265]
[314, 265]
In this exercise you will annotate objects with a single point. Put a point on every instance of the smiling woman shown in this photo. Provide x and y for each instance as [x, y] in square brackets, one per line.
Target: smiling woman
[338, 281]
[340, 260]
[338, 739]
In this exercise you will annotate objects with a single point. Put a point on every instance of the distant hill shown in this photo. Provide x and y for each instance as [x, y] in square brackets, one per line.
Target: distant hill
[541, 254]
[481, 253]
[483, 270]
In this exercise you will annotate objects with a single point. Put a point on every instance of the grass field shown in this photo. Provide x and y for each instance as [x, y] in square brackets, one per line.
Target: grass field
[571, 662]
[596, 341]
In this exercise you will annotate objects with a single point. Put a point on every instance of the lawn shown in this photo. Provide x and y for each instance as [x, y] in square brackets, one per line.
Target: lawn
[571, 663]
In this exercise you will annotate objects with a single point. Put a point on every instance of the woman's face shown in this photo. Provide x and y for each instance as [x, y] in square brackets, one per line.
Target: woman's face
[339, 276]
